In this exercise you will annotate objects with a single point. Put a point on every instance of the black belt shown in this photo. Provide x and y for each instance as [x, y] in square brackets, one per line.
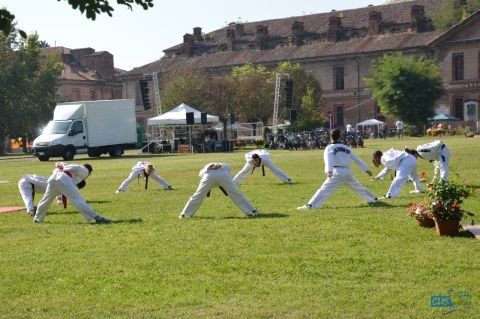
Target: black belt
[263, 170]
[339, 166]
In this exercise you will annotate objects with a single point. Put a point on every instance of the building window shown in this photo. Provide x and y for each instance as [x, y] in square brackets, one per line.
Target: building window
[471, 111]
[457, 66]
[458, 107]
[93, 95]
[76, 94]
[339, 115]
[339, 78]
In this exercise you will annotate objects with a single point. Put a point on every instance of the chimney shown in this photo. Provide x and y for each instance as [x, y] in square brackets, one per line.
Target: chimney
[374, 20]
[417, 16]
[298, 29]
[261, 36]
[230, 39]
[197, 33]
[334, 25]
[188, 40]
[239, 29]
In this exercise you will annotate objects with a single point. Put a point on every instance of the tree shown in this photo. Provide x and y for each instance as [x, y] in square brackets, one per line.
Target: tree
[451, 12]
[254, 92]
[406, 87]
[307, 96]
[27, 86]
[91, 8]
[185, 86]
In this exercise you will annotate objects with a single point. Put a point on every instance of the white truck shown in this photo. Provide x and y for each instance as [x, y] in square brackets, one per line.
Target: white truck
[91, 127]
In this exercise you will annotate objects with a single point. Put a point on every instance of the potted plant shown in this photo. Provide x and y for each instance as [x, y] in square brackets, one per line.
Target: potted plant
[240, 143]
[444, 202]
[259, 142]
[422, 214]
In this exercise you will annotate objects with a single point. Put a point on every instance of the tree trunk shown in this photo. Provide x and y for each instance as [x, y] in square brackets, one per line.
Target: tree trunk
[2, 142]
[24, 143]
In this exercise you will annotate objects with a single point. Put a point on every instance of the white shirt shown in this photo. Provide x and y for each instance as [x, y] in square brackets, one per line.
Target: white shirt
[340, 155]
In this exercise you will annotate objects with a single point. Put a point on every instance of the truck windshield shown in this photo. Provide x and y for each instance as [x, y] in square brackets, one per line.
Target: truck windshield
[57, 127]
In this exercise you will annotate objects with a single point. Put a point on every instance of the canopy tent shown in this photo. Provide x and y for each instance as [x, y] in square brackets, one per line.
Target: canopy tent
[178, 116]
[235, 126]
[371, 122]
[444, 117]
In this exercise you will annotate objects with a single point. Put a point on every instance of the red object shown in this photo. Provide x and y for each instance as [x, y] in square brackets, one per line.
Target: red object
[64, 199]
[10, 209]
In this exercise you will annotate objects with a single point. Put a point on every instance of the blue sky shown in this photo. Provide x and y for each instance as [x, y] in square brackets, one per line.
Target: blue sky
[139, 37]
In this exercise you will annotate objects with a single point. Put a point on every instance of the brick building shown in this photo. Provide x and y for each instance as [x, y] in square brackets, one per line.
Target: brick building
[338, 47]
[87, 75]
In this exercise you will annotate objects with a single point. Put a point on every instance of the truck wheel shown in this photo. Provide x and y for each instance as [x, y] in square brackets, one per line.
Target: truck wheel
[43, 158]
[116, 152]
[69, 154]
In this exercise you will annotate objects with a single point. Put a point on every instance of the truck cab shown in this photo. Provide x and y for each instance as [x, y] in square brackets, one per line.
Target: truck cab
[61, 139]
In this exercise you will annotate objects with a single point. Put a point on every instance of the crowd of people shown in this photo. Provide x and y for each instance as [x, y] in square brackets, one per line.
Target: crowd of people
[67, 179]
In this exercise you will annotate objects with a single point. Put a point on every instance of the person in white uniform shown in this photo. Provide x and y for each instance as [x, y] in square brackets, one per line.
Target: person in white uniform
[337, 157]
[63, 182]
[439, 153]
[145, 170]
[399, 125]
[259, 158]
[217, 175]
[29, 185]
[404, 164]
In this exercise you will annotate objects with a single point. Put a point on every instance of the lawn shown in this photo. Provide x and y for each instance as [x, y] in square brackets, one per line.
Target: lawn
[346, 260]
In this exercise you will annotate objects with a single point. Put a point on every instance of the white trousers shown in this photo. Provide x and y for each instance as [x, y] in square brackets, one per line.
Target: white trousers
[440, 165]
[27, 185]
[341, 176]
[60, 183]
[247, 169]
[211, 179]
[407, 169]
[134, 174]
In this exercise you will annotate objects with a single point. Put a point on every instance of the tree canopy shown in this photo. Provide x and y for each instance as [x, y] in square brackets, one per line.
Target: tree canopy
[248, 92]
[27, 86]
[91, 8]
[452, 12]
[406, 87]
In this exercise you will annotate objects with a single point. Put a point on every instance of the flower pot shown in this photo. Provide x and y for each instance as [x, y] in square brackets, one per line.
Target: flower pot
[447, 227]
[428, 223]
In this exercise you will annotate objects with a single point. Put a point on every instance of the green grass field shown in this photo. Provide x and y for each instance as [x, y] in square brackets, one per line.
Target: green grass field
[346, 260]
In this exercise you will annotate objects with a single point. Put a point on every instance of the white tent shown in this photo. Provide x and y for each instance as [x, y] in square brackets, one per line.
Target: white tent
[235, 126]
[371, 122]
[177, 116]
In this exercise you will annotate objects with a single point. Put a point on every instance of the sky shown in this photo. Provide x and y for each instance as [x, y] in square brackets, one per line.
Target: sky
[138, 37]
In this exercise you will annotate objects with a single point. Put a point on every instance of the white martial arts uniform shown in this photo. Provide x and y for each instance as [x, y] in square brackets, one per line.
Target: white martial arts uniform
[405, 166]
[265, 161]
[61, 183]
[138, 170]
[30, 185]
[337, 157]
[213, 178]
[439, 153]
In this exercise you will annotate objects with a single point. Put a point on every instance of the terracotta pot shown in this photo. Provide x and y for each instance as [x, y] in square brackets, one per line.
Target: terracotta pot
[448, 227]
[428, 223]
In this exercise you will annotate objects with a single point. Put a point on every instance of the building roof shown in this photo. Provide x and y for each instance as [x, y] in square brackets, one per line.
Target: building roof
[396, 18]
